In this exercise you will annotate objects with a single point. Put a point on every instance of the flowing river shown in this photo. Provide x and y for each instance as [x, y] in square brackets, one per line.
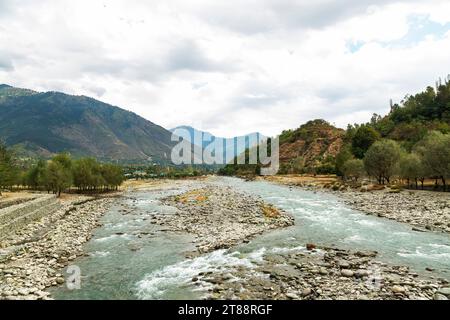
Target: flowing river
[131, 258]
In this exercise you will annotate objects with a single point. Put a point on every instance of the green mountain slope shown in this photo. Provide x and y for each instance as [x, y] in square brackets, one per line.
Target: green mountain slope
[51, 122]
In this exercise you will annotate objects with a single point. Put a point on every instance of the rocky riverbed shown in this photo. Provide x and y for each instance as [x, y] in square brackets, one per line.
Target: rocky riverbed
[220, 218]
[31, 259]
[322, 273]
[425, 210]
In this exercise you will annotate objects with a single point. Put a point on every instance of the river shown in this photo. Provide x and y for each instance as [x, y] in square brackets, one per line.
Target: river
[131, 258]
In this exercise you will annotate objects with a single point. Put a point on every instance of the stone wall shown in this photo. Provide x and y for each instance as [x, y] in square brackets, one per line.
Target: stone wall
[15, 217]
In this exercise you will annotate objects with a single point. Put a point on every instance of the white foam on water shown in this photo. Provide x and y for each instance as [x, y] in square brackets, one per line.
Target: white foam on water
[354, 238]
[426, 255]
[440, 246]
[288, 250]
[112, 237]
[100, 254]
[155, 284]
[402, 234]
[368, 223]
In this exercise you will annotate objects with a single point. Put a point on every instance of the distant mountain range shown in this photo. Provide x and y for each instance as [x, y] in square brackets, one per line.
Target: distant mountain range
[231, 146]
[50, 122]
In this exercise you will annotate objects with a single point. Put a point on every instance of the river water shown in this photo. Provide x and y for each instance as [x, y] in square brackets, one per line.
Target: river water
[131, 258]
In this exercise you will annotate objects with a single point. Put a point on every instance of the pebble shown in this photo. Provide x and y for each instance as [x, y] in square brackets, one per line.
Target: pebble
[347, 273]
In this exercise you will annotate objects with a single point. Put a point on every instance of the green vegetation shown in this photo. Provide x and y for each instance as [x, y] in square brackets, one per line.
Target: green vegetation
[44, 124]
[430, 159]
[434, 151]
[411, 142]
[364, 137]
[166, 172]
[59, 174]
[411, 168]
[354, 169]
[8, 170]
[381, 159]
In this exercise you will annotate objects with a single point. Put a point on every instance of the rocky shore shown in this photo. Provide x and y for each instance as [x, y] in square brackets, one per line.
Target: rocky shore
[31, 259]
[322, 274]
[424, 210]
[221, 218]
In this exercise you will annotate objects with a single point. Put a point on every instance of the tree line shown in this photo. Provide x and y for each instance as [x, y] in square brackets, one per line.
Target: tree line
[385, 159]
[59, 174]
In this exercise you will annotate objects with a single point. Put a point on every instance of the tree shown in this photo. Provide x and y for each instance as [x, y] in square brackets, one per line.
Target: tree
[434, 150]
[354, 169]
[411, 168]
[363, 138]
[381, 159]
[113, 175]
[341, 158]
[64, 159]
[58, 177]
[83, 173]
[8, 170]
[36, 175]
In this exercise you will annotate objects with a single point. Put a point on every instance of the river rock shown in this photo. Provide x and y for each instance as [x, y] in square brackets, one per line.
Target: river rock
[292, 296]
[347, 273]
[438, 296]
[306, 292]
[398, 289]
[361, 273]
[445, 292]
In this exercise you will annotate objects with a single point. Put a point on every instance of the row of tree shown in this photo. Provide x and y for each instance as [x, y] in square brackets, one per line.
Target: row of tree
[60, 174]
[384, 159]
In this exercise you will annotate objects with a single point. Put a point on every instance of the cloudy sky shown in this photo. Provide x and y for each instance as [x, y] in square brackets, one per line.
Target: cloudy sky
[229, 67]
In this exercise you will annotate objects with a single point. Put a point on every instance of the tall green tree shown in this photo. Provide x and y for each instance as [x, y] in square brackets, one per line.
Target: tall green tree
[364, 137]
[8, 171]
[435, 153]
[342, 157]
[58, 177]
[354, 169]
[36, 175]
[381, 160]
[411, 168]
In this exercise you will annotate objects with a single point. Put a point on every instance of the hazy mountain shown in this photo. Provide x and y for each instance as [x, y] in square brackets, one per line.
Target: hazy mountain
[51, 122]
[231, 146]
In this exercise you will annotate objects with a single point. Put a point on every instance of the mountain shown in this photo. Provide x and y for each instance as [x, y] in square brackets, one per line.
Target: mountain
[231, 146]
[310, 148]
[46, 123]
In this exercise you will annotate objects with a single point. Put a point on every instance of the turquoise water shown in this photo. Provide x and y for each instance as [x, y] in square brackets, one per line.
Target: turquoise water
[130, 258]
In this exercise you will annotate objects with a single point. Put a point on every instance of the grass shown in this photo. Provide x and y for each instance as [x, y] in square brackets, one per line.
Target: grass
[270, 211]
[195, 196]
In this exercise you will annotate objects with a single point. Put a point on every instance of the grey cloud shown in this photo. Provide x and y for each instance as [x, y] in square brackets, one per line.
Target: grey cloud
[185, 55]
[262, 16]
[260, 94]
[6, 63]
[188, 56]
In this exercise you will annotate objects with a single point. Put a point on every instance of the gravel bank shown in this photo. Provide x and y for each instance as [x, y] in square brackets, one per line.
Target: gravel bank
[322, 274]
[422, 209]
[221, 218]
[30, 260]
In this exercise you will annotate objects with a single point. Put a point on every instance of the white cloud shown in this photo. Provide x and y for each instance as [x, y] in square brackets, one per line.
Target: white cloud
[230, 67]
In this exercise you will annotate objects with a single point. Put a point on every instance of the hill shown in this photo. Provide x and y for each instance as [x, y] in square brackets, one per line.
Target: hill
[310, 148]
[51, 122]
[231, 146]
